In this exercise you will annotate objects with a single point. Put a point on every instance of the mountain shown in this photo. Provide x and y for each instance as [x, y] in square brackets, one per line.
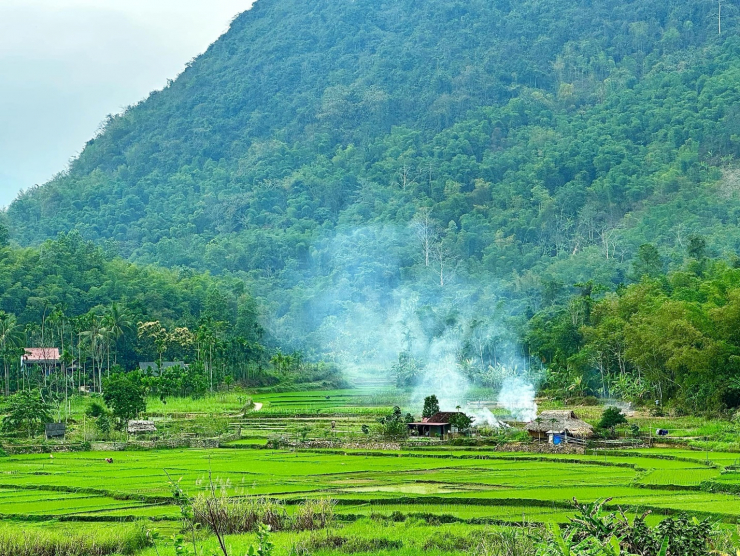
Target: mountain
[354, 158]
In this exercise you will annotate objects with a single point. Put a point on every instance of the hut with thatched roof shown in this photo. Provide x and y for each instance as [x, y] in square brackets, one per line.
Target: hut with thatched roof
[558, 423]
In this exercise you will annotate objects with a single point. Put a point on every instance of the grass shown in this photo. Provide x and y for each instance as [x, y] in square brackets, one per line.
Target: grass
[17, 539]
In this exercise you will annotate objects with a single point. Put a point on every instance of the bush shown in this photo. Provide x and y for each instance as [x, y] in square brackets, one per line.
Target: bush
[27, 411]
[100, 415]
[611, 418]
[395, 425]
[591, 529]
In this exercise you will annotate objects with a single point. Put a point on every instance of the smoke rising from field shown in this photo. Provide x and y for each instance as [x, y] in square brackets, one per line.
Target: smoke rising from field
[376, 300]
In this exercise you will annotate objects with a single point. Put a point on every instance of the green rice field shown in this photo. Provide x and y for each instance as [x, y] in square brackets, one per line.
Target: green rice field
[421, 492]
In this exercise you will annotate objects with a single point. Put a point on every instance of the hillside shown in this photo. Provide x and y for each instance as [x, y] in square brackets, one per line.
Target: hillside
[390, 173]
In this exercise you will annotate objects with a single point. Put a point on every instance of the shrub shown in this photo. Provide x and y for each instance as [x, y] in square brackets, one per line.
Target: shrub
[611, 418]
[27, 411]
[100, 415]
[395, 425]
[591, 528]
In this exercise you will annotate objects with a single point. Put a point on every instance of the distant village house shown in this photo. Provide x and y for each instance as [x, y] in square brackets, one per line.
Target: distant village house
[47, 358]
[437, 425]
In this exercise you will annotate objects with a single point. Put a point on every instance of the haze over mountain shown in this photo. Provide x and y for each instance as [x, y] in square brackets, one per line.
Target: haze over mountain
[358, 161]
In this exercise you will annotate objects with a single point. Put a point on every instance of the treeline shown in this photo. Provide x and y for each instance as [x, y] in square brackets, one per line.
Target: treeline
[106, 315]
[669, 340]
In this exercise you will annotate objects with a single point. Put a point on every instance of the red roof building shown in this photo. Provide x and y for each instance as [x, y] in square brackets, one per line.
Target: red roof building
[41, 356]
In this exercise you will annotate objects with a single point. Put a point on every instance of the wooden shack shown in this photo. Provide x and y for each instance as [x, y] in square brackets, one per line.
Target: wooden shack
[436, 425]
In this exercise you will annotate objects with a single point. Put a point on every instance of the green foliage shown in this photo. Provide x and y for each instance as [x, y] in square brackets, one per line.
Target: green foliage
[461, 422]
[26, 412]
[431, 406]
[672, 339]
[592, 531]
[611, 418]
[395, 425]
[542, 148]
[4, 236]
[125, 395]
[119, 540]
[101, 416]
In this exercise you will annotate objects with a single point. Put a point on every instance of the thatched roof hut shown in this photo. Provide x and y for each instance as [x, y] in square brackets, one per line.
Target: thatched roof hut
[563, 421]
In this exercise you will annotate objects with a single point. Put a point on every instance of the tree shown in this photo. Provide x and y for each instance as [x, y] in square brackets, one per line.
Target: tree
[27, 411]
[647, 262]
[697, 248]
[431, 406]
[461, 422]
[426, 231]
[118, 322]
[11, 336]
[611, 418]
[395, 425]
[157, 334]
[4, 236]
[125, 395]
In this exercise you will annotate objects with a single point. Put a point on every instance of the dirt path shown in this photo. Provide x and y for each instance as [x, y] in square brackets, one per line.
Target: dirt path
[257, 406]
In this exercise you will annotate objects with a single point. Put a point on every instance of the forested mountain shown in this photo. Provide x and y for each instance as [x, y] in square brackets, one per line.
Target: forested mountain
[378, 161]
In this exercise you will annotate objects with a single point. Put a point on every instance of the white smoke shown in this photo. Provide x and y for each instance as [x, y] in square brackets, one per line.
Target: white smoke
[367, 312]
[484, 417]
[517, 395]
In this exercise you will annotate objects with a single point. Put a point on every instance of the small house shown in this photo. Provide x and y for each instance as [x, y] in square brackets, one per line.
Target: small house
[436, 425]
[557, 425]
[45, 357]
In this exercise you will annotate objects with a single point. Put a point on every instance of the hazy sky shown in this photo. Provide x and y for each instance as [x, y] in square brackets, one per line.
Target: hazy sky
[66, 64]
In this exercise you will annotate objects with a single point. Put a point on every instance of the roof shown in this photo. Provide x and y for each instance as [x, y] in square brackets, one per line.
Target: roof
[41, 355]
[439, 418]
[560, 420]
[154, 365]
[141, 426]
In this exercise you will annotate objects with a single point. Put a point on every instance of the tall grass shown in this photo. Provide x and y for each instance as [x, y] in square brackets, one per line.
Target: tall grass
[120, 539]
[243, 515]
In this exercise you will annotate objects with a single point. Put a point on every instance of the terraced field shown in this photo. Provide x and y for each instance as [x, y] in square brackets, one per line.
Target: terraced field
[462, 484]
[449, 486]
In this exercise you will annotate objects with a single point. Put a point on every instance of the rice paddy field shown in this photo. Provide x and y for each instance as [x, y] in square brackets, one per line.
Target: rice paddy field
[423, 497]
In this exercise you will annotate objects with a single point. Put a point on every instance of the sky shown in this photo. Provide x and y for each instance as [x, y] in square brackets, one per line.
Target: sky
[66, 64]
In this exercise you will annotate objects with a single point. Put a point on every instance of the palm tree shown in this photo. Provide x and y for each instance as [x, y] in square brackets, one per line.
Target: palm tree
[118, 321]
[95, 336]
[11, 336]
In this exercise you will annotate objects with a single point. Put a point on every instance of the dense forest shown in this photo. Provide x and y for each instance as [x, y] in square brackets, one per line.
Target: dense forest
[397, 182]
[106, 315]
